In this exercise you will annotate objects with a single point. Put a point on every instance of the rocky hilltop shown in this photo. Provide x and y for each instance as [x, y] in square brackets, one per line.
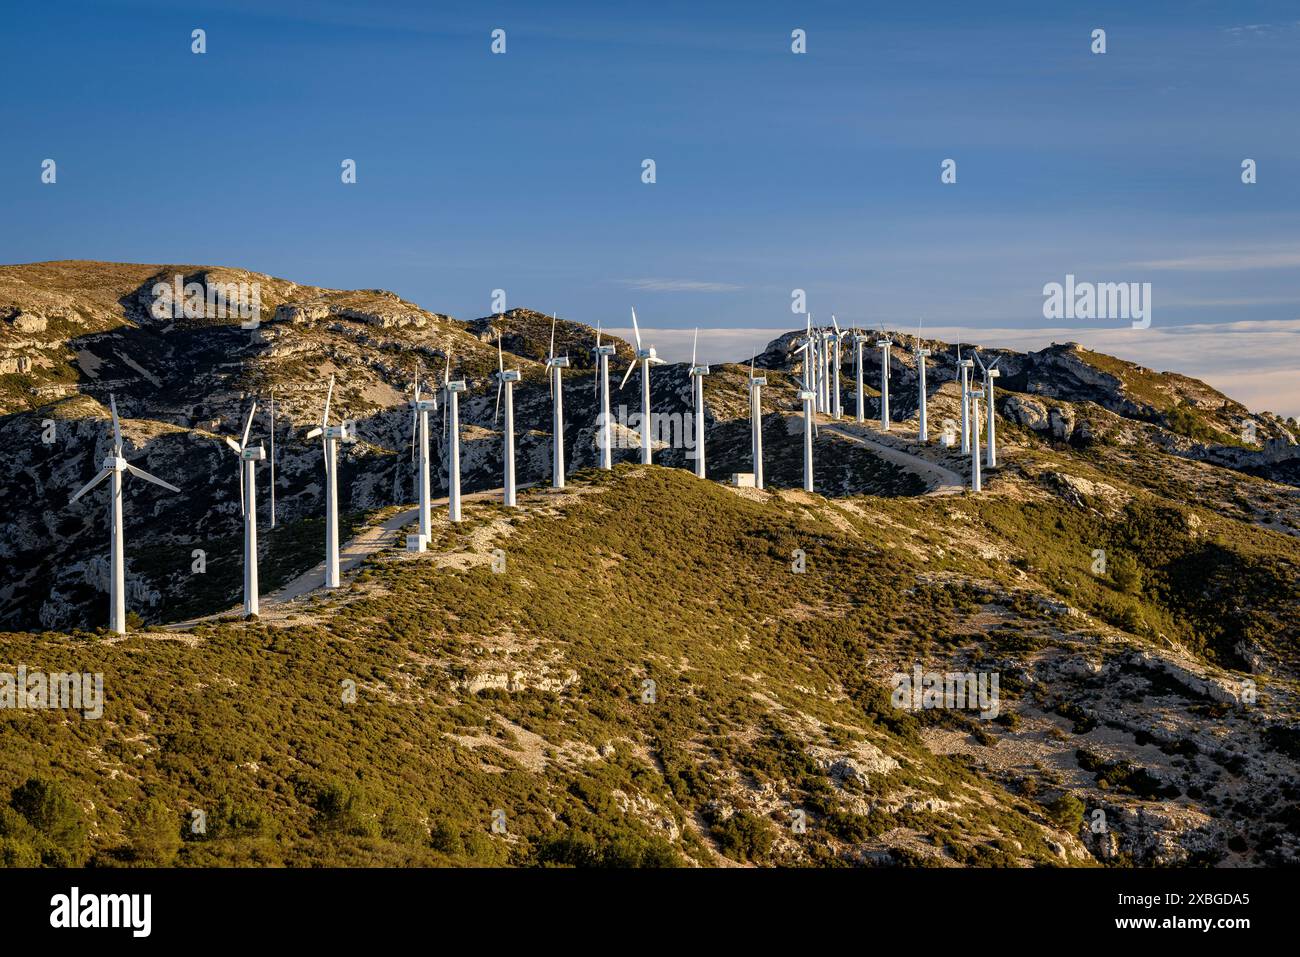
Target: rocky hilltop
[643, 668]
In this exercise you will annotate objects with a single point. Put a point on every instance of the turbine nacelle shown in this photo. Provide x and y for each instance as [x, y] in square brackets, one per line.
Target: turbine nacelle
[604, 350]
[699, 370]
[807, 396]
[424, 405]
[455, 385]
[558, 362]
[508, 375]
[884, 343]
[113, 463]
[253, 453]
[339, 433]
[648, 354]
[921, 352]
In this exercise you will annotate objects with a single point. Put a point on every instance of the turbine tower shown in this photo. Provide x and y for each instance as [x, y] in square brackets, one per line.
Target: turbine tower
[808, 397]
[506, 380]
[837, 398]
[756, 384]
[420, 409]
[990, 373]
[859, 340]
[973, 397]
[113, 466]
[451, 435]
[920, 353]
[885, 344]
[331, 436]
[698, 372]
[603, 440]
[647, 357]
[965, 366]
[828, 399]
[554, 364]
[249, 456]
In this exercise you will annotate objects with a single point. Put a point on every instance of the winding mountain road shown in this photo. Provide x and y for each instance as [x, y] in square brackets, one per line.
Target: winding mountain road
[941, 480]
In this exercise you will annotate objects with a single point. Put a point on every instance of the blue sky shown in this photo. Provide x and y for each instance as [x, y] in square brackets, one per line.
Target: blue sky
[775, 170]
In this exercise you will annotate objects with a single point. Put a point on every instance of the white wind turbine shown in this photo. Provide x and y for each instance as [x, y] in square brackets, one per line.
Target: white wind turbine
[249, 456]
[331, 436]
[756, 384]
[990, 373]
[859, 340]
[113, 466]
[837, 398]
[972, 396]
[885, 344]
[810, 360]
[603, 439]
[808, 397]
[554, 364]
[420, 408]
[920, 353]
[828, 398]
[698, 372]
[451, 435]
[506, 379]
[647, 357]
[964, 366]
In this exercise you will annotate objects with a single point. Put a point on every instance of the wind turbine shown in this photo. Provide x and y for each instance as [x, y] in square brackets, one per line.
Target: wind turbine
[828, 399]
[859, 340]
[113, 466]
[331, 436]
[698, 372]
[647, 357]
[990, 373]
[506, 380]
[451, 435]
[249, 456]
[810, 358]
[973, 397]
[603, 440]
[756, 384]
[554, 364]
[272, 458]
[920, 352]
[808, 397]
[837, 398]
[885, 344]
[420, 409]
[965, 366]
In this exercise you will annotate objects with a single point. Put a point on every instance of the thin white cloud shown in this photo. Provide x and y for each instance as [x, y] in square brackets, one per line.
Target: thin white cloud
[678, 285]
[1228, 262]
[1256, 362]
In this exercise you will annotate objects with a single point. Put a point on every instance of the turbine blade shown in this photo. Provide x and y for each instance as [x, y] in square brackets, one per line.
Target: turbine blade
[694, 345]
[501, 362]
[329, 394]
[627, 375]
[243, 509]
[117, 427]
[500, 385]
[91, 484]
[636, 330]
[415, 428]
[141, 473]
[234, 446]
[313, 433]
[597, 332]
[551, 354]
[248, 426]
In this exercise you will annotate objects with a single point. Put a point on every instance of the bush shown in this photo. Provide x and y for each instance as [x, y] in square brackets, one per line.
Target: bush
[745, 837]
[153, 833]
[46, 806]
[1066, 812]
